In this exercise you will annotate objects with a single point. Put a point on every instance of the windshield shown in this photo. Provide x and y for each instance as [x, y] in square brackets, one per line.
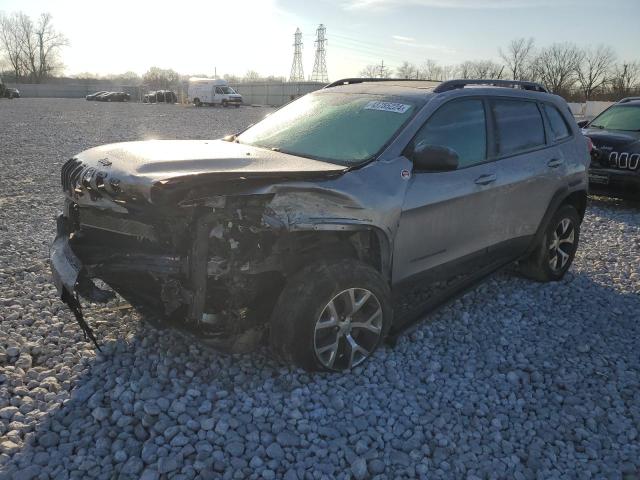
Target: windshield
[342, 128]
[619, 117]
[227, 90]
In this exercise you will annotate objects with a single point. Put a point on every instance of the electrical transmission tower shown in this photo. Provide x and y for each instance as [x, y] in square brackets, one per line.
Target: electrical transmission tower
[297, 75]
[320, 64]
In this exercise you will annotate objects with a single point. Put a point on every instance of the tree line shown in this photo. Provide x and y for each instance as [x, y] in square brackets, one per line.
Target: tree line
[32, 50]
[584, 73]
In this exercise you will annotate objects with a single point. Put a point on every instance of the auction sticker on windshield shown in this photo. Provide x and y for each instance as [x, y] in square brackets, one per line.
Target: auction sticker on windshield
[387, 107]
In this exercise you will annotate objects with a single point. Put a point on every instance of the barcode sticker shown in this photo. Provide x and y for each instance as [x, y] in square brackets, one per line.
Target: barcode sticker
[387, 107]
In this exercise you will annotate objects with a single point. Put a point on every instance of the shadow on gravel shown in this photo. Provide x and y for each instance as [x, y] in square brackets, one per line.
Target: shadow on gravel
[616, 205]
[514, 376]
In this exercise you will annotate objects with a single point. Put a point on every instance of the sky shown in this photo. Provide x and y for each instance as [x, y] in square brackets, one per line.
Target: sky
[234, 36]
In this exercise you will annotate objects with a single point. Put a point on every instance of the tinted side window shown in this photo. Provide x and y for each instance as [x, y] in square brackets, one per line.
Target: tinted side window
[461, 126]
[219, 90]
[519, 126]
[559, 129]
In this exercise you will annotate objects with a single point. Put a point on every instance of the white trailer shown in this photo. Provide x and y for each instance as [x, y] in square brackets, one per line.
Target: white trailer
[209, 91]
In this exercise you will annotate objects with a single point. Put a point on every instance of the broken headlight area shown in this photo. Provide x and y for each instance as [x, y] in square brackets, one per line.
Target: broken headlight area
[215, 270]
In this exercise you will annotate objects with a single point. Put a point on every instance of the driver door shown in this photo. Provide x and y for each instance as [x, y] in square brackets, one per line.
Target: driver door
[448, 218]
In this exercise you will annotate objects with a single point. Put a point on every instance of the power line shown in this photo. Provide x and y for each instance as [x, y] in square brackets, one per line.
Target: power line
[297, 74]
[320, 63]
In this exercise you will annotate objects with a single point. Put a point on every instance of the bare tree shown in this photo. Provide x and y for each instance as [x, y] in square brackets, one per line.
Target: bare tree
[32, 49]
[449, 72]
[126, 78]
[517, 57]
[48, 44]
[229, 77]
[465, 69]
[556, 66]
[626, 76]
[10, 43]
[482, 69]
[370, 71]
[430, 70]
[251, 76]
[158, 78]
[407, 70]
[594, 69]
[28, 45]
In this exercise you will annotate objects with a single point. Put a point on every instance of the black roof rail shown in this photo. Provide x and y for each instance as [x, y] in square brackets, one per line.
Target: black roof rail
[628, 99]
[351, 81]
[455, 84]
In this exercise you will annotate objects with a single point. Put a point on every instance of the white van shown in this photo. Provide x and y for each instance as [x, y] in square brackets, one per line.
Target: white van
[209, 91]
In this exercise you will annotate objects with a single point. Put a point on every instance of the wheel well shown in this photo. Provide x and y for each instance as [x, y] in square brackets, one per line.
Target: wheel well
[305, 247]
[578, 200]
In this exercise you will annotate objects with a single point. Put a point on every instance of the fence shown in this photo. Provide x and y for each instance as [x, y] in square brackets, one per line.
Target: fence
[274, 94]
[260, 93]
[589, 110]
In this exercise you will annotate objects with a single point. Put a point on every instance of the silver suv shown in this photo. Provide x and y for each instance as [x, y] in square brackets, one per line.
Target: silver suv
[334, 223]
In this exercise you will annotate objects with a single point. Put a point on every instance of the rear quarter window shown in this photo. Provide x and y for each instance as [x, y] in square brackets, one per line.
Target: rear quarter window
[519, 126]
[559, 128]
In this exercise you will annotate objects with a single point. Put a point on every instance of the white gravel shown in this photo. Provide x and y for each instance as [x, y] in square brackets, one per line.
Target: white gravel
[515, 380]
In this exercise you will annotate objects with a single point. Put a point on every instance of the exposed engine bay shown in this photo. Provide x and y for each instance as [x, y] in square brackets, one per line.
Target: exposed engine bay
[215, 267]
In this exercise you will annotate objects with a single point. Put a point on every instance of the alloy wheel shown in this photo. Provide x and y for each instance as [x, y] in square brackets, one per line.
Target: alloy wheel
[348, 329]
[562, 245]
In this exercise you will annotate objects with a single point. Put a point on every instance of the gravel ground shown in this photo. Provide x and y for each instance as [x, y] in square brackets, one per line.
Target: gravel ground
[515, 380]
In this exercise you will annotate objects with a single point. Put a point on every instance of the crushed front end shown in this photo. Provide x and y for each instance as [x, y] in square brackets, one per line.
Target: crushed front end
[212, 263]
[202, 268]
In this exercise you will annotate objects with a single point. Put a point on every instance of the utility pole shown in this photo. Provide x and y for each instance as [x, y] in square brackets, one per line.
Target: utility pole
[381, 74]
[297, 75]
[320, 64]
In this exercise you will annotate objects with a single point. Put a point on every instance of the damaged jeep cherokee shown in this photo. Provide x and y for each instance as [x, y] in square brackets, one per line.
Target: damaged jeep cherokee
[335, 222]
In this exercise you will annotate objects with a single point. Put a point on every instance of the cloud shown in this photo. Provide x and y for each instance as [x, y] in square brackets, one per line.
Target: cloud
[400, 38]
[411, 42]
[469, 4]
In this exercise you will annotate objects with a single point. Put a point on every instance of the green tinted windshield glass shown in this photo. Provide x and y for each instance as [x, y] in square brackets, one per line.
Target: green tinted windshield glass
[342, 128]
[619, 117]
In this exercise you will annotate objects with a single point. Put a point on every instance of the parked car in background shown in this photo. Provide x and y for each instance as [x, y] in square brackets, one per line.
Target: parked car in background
[115, 97]
[302, 227]
[10, 92]
[93, 96]
[160, 96]
[615, 157]
[209, 91]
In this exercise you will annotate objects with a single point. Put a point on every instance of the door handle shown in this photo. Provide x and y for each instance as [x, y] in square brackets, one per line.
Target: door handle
[486, 179]
[555, 162]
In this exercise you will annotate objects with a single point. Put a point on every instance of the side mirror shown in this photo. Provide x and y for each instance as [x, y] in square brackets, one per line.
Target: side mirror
[583, 123]
[434, 158]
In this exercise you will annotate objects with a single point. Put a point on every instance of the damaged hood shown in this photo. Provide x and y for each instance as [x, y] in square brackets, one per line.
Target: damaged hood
[132, 169]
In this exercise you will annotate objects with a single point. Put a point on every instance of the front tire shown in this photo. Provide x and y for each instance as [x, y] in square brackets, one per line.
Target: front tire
[331, 316]
[553, 256]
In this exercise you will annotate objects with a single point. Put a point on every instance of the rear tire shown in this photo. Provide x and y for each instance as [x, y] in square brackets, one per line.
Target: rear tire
[196, 102]
[554, 254]
[331, 315]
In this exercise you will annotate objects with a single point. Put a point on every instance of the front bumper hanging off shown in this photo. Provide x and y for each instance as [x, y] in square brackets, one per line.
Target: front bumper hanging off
[73, 270]
[70, 279]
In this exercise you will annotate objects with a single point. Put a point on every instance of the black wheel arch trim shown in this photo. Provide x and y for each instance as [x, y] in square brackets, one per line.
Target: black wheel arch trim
[559, 198]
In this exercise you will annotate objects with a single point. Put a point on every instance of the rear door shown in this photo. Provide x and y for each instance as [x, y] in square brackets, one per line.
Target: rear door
[531, 169]
[447, 217]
